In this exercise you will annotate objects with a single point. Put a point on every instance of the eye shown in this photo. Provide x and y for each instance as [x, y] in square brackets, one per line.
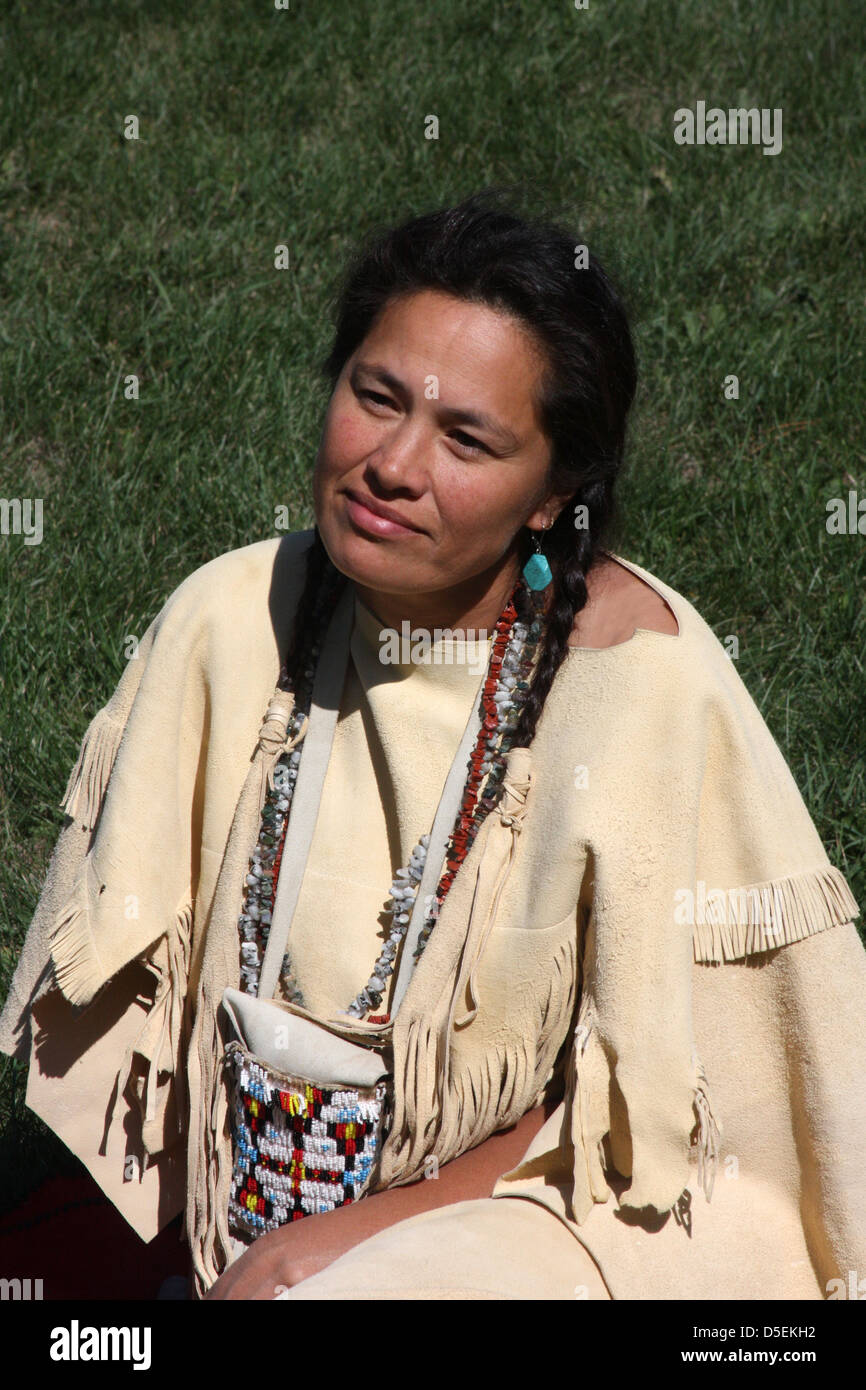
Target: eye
[374, 396]
[472, 446]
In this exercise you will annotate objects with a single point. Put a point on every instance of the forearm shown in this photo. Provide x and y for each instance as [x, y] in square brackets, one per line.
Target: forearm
[296, 1251]
[471, 1175]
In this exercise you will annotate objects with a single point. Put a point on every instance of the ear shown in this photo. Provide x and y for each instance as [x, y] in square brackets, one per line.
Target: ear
[548, 511]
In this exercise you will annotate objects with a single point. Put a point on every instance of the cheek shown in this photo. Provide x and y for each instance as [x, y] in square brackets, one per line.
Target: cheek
[348, 437]
[464, 498]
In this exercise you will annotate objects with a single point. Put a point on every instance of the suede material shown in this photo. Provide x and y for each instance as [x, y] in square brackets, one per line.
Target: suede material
[561, 950]
[782, 1035]
[399, 726]
[478, 1250]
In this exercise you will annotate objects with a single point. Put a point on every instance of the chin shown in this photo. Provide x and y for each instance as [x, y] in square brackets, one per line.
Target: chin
[364, 560]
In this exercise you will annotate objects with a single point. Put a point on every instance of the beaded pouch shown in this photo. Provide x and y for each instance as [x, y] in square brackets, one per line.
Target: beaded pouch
[298, 1147]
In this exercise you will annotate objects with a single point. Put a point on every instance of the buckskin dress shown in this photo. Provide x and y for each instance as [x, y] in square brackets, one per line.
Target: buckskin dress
[710, 1136]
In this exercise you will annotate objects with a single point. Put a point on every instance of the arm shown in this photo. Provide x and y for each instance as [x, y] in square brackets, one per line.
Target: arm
[822, 992]
[296, 1251]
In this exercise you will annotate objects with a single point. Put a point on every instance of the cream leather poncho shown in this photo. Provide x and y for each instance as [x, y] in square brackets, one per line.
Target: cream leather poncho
[653, 823]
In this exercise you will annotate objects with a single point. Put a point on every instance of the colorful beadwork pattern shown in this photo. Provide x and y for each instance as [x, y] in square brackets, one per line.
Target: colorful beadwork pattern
[299, 1149]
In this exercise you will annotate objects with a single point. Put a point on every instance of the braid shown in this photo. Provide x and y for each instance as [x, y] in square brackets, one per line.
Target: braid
[517, 259]
[322, 585]
[571, 555]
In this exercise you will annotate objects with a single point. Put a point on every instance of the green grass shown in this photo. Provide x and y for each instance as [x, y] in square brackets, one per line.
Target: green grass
[260, 127]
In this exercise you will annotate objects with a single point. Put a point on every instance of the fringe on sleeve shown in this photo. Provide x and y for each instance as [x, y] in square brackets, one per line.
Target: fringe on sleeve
[741, 922]
[88, 780]
[158, 1048]
[78, 971]
[588, 1118]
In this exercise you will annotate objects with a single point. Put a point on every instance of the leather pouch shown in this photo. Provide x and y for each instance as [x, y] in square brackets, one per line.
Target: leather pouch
[309, 1113]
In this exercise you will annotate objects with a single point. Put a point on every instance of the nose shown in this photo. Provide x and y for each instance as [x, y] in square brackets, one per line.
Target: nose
[400, 461]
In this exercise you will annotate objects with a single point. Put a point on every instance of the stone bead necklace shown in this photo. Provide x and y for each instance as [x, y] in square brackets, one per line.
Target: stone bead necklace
[505, 688]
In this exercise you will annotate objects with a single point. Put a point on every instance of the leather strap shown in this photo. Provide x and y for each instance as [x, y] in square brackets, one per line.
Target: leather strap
[443, 823]
[315, 756]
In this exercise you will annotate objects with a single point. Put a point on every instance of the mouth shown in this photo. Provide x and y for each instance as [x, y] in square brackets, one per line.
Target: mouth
[375, 519]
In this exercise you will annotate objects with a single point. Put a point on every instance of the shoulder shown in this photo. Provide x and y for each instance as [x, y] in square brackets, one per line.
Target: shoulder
[663, 651]
[243, 599]
[250, 566]
[620, 601]
[238, 577]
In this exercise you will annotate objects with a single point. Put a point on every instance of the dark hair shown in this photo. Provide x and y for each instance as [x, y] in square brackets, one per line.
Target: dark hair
[485, 251]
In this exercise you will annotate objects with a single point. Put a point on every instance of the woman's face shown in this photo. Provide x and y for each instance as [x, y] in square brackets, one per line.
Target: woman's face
[433, 420]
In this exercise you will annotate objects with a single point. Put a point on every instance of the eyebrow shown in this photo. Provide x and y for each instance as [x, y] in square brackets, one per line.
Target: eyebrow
[478, 418]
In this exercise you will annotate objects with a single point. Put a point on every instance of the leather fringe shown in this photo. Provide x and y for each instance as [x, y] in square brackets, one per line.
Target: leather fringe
[706, 1137]
[772, 914]
[445, 1113]
[88, 780]
[587, 1113]
[210, 1151]
[209, 1148]
[587, 1120]
[160, 1042]
[77, 967]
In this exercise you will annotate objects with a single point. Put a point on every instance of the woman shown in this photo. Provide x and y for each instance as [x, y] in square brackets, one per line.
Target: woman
[615, 960]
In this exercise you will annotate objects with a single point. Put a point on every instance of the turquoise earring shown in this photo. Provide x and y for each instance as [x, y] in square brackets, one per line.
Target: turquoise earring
[537, 571]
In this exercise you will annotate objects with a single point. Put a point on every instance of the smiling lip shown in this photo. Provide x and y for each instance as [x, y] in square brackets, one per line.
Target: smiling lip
[375, 518]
